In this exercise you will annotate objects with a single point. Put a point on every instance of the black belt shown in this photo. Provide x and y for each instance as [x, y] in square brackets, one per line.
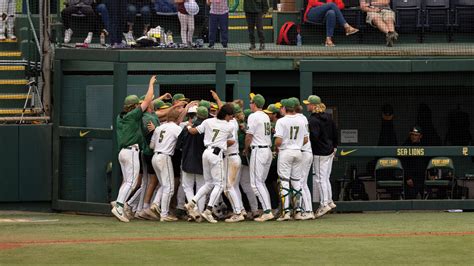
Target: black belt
[232, 154]
[260, 147]
[159, 152]
[131, 148]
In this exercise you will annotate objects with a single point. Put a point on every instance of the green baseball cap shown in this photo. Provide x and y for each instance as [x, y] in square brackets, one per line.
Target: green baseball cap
[312, 99]
[159, 104]
[296, 100]
[131, 99]
[205, 104]
[271, 109]
[179, 97]
[214, 106]
[258, 100]
[247, 112]
[202, 112]
[237, 109]
[288, 103]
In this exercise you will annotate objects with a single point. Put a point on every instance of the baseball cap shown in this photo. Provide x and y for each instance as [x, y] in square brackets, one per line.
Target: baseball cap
[131, 99]
[202, 112]
[312, 99]
[159, 104]
[278, 105]
[237, 109]
[192, 109]
[258, 100]
[288, 103]
[247, 112]
[205, 104]
[296, 100]
[214, 106]
[416, 129]
[272, 109]
[179, 97]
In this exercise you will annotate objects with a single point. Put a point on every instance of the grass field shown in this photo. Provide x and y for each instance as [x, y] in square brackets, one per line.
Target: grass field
[362, 238]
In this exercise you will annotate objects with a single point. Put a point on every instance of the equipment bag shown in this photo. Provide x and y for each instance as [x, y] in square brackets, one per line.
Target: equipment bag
[288, 33]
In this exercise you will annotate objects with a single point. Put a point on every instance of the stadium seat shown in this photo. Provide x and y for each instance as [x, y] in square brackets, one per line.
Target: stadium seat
[436, 14]
[440, 178]
[463, 15]
[389, 178]
[408, 16]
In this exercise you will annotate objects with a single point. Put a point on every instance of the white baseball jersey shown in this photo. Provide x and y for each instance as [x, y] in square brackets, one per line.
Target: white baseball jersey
[235, 131]
[291, 129]
[164, 138]
[307, 146]
[258, 125]
[216, 132]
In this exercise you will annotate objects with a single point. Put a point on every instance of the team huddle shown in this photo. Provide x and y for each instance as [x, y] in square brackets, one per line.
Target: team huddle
[224, 149]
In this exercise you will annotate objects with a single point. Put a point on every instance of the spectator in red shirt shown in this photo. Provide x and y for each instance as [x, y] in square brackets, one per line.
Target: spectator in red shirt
[330, 11]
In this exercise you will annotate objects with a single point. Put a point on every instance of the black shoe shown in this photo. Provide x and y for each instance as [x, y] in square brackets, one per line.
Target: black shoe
[224, 45]
[252, 46]
[390, 37]
[262, 47]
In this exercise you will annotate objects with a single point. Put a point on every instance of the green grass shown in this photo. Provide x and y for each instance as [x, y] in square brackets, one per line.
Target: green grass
[330, 248]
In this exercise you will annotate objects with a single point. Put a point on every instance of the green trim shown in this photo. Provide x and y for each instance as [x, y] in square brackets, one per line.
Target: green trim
[401, 151]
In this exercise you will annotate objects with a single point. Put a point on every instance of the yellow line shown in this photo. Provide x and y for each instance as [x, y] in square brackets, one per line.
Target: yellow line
[13, 81]
[8, 40]
[15, 111]
[243, 16]
[245, 27]
[14, 96]
[10, 53]
[11, 68]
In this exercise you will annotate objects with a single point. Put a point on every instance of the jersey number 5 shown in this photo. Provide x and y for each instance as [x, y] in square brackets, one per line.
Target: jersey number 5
[216, 132]
[294, 132]
[162, 135]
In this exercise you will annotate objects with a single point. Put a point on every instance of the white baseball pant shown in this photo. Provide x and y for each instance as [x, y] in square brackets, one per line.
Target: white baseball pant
[288, 167]
[130, 165]
[187, 183]
[7, 7]
[247, 187]
[322, 166]
[232, 189]
[260, 161]
[306, 163]
[164, 171]
[213, 171]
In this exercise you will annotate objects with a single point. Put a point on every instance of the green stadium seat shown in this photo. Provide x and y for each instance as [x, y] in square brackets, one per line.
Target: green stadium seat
[440, 177]
[389, 178]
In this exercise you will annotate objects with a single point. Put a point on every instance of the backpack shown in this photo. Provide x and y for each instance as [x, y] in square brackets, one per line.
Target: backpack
[288, 33]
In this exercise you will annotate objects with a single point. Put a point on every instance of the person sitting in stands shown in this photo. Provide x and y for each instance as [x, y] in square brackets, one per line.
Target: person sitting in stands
[78, 7]
[381, 16]
[329, 11]
[145, 11]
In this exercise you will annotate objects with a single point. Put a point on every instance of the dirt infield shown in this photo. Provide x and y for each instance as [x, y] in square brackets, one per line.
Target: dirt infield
[12, 245]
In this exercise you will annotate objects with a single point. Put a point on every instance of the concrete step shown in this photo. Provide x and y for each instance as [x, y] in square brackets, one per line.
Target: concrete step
[8, 45]
[12, 71]
[10, 55]
[13, 100]
[239, 20]
[13, 86]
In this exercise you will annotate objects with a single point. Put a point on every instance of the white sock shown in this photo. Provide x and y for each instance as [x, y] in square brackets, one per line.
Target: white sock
[146, 205]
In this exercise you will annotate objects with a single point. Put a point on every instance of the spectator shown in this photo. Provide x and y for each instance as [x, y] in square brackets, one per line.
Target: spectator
[425, 121]
[414, 167]
[186, 20]
[381, 16]
[387, 136]
[219, 17]
[329, 11]
[101, 9]
[254, 12]
[117, 13]
[7, 9]
[79, 7]
[145, 11]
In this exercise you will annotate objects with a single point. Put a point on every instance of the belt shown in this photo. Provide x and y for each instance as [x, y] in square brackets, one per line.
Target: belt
[132, 148]
[260, 147]
[232, 154]
[159, 152]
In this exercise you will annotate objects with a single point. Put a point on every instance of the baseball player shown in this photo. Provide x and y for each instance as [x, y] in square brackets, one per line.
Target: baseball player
[163, 142]
[129, 138]
[323, 136]
[217, 137]
[258, 139]
[306, 163]
[290, 136]
[7, 12]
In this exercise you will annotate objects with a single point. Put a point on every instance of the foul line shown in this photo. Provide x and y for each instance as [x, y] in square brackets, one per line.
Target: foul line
[17, 244]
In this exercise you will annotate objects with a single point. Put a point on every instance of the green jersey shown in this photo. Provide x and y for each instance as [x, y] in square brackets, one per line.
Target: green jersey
[129, 131]
[153, 118]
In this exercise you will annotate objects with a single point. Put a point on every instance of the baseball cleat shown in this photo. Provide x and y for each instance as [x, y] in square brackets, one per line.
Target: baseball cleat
[244, 213]
[120, 214]
[151, 214]
[190, 207]
[285, 217]
[137, 216]
[300, 216]
[332, 205]
[207, 214]
[168, 218]
[235, 218]
[264, 217]
[155, 208]
[128, 211]
[322, 211]
[309, 216]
